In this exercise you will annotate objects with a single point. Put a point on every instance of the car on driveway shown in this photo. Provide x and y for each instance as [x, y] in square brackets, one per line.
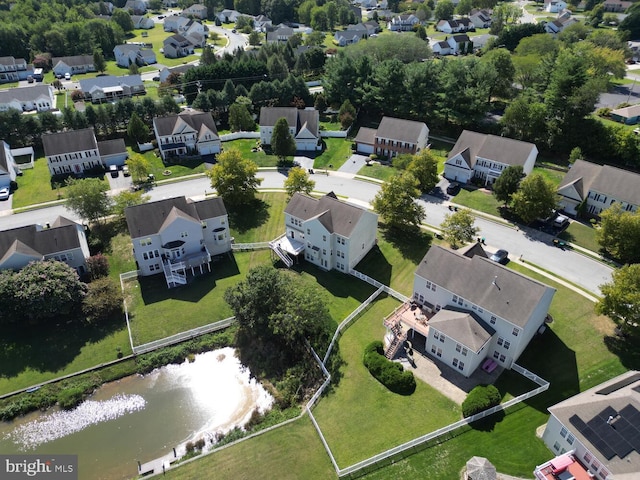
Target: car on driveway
[125, 171]
[4, 193]
[113, 170]
[453, 188]
[560, 221]
[501, 256]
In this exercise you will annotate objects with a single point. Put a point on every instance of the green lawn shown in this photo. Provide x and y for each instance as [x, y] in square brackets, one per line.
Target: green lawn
[245, 145]
[159, 168]
[336, 152]
[611, 123]
[477, 199]
[380, 172]
[554, 176]
[34, 186]
[156, 37]
[581, 234]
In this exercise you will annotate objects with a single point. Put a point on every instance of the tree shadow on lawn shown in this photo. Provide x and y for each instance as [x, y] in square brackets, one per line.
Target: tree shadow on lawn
[627, 349]
[375, 265]
[248, 216]
[154, 289]
[413, 245]
[336, 283]
[50, 347]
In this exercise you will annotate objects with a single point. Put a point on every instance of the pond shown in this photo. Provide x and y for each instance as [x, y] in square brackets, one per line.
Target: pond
[140, 418]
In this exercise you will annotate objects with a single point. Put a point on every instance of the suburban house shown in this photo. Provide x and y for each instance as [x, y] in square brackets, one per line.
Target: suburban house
[455, 26]
[304, 126]
[128, 54]
[403, 23]
[195, 10]
[471, 310]
[73, 65]
[480, 41]
[187, 133]
[177, 46]
[616, 6]
[559, 24]
[74, 151]
[63, 240]
[177, 235]
[441, 48]
[142, 22]
[175, 23]
[178, 70]
[476, 155]
[460, 43]
[109, 88]
[392, 137]
[554, 6]
[480, 18]
[282, 33]
[628, 115]
[261, 23]
[228, 16]
[353, 34]
[8, 167]
[136, 7]
[331, 234]
[14, 69]
[596, 433]
[598, 187]
[26, 99]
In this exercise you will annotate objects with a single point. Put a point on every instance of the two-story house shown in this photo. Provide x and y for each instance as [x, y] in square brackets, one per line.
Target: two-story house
[617, 6]
[392, 137]
[195, 10]
[476, 155]
[596, 433]
[187, 133]
[228, 16]
[136, 7]
[175, 23]
[474, 309]
[280, 33]
[75, 151]
[403, 23]
[455, 26]
[109, 88]
[480, 18]
[142, 22]
[128, 54]
[177, 236]
[73, 65]
[554, 6]
[40, 98]
[304, 125]
[8, 167]
[598, 187]
[177, 46]
[177, 70]
[63, 240]
[330, 233]
[14, 69]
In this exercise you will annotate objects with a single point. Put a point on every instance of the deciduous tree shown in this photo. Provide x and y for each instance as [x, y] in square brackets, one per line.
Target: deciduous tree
[139, 167]
[444, 10]
[102, 300]
[240, 119]
[536, 198]
[98, 266]
[99, 62]
[298, 181]
[621, 299]
[619, 232]
[424, 167]
[234, 177]
[396, 202]
[458, 227]
[126, 199]
[507, 183]
[88, 198]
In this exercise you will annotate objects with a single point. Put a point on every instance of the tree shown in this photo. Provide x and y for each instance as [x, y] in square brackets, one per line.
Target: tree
[126, 199]
[99, 62]
[234, 177]
[458, 227]
[346, 114]
[507, 183]
[621, 299]
[576, 154]
[240, 119]
[208, 57]
[500, 60]
[396, 202]
[320, 103]
[298, 181]
[464, 7]
[46, 290]
[282, 142]
[137, 130]
[123, 19]
[444, 10]
[98, 266]
[536, 198]
[424, 166]
[255, 38]
[102, 300]
[139, 167]
[618, 233]
[596, 15]
[88, 198]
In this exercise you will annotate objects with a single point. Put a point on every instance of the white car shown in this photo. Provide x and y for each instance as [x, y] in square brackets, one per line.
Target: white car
[67, 76]
[4, 193]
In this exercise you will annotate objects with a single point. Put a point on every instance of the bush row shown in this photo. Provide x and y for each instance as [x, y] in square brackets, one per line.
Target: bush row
[479, 399]
[390, 374]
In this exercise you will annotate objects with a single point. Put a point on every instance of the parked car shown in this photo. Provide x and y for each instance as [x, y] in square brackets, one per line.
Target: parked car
[67, 76]
[453, 188]
[501, 256]
[560, 221]
[30, 79]
[113, 170]
[4, 193]
[125, 171]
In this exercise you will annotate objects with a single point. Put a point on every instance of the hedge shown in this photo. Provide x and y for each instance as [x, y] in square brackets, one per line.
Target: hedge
[479, 399]
[390, 374]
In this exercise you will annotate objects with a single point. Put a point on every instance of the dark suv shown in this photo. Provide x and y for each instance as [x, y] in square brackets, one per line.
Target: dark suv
[453, 188]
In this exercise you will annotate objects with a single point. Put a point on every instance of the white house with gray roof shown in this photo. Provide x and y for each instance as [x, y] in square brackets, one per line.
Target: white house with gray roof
[476, 308]
[8, 167]
[129, 54]
[177, 236]
[63, 240]
[599, 187]
[188, 133]
[392, 137]
[13, 69]
[330, 233]
[73, 65]
[109, 88]
[596, 433]
[476, 155]
[304, 126]
[27, 99]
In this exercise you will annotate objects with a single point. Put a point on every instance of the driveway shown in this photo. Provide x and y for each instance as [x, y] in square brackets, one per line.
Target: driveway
[354, 164]
[624, 93]
[120, 182]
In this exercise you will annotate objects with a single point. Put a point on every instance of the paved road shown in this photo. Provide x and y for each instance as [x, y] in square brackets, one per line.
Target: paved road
[534, 246]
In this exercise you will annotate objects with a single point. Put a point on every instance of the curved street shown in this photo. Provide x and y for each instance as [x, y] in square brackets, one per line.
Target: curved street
[534, 247]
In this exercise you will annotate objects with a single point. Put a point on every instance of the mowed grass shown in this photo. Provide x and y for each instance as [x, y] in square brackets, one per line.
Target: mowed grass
[361, 417]
[245, 145]
[158, 167]
[335, 153]
[157, 36]
[581, 234]
[477, 199]
[34, 186]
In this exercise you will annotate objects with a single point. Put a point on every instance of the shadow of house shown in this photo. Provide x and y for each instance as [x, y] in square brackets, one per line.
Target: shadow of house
[375, 265]
[245, 217]
[412, 245]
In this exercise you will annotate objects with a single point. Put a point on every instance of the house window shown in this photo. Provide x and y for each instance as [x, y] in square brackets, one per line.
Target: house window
[442, 337]
[500, 341]
[496, 354]
[587, 457]
[570, 439]
[436, 335]
[480, 310]
[308, 231]
[324, 251]
[595, 465]
[493, 320]
[461, 366]
[184, 234]
[455, 362]
[324, 238]
[563, 432]
[556, 447]
[516, 332]
[458, 347]
[464, 351]
[506, 345]
[603, 473]
[145, 241]
[439, 353]
[455, 299]
[433, 349]
[502, 358]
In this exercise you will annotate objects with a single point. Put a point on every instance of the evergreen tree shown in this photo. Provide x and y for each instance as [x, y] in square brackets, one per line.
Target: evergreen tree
[282, 142]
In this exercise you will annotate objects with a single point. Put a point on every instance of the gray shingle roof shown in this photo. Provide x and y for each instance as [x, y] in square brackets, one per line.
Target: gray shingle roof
[148, 218]
[112, 147]
[110, 81]
[24, 94]
[29, 240]
[462, 326]
[513, 296]
[366, 135]
[69, 141]
[196, 120]
[295, 117]
[500, 149]
[74, 60]
[399, 129]
[336, 216]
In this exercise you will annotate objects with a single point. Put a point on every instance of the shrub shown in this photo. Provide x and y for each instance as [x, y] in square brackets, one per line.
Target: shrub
[479, 399]
[70, 397]
[98, 266]
[388, 373]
